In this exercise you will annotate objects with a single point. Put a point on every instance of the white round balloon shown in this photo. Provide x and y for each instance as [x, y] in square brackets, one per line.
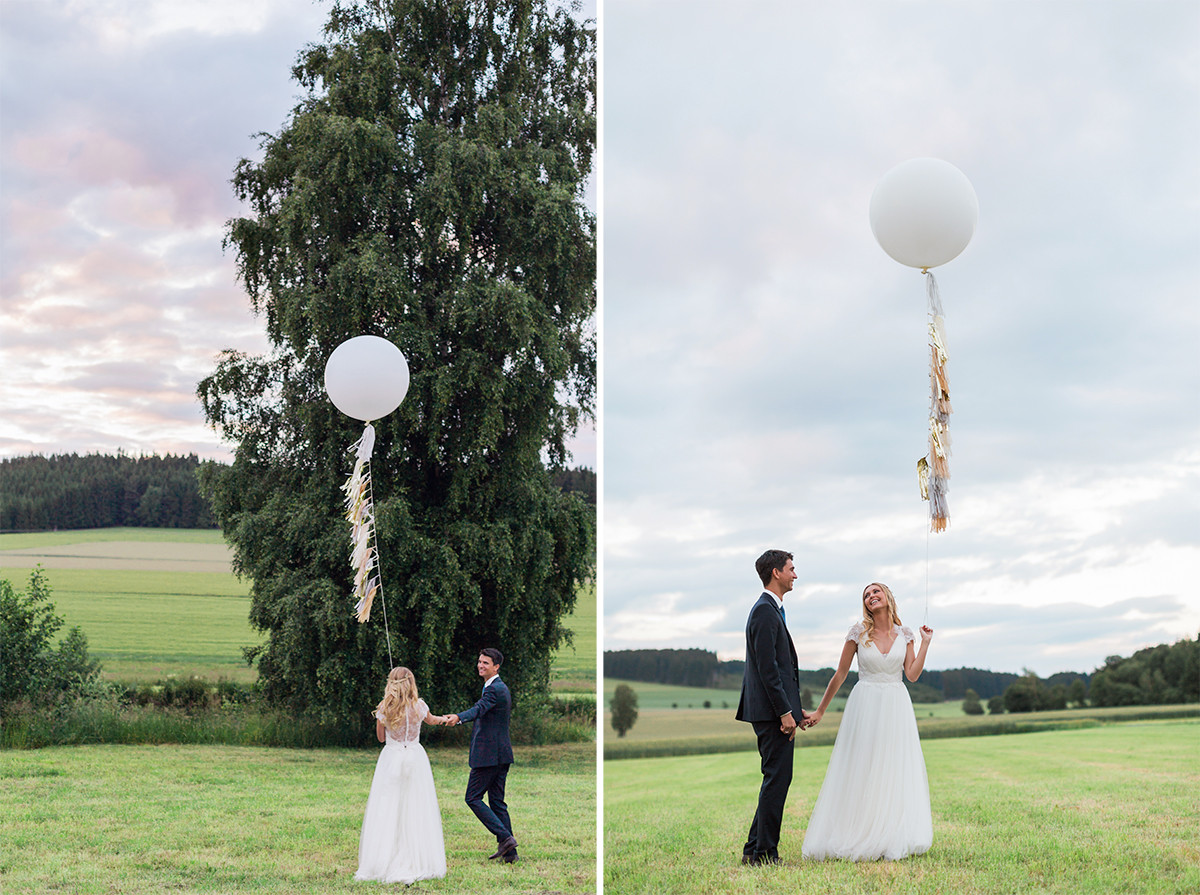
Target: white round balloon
[923, 212]
[366, 377]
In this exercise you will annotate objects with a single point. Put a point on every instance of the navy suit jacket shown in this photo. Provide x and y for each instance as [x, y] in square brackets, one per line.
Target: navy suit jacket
[490, 744]
[771, 681]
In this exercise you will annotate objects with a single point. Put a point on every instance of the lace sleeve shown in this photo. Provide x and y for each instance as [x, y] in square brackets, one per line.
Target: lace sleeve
[854, 635]
[908, 634]
[422, 709]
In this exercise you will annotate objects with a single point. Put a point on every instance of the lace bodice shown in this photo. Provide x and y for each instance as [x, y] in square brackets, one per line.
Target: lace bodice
[873, 665]
[409, 727]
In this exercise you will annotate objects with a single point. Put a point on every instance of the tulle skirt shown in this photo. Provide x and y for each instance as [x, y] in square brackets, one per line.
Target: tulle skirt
[874, 802]
[401, 838]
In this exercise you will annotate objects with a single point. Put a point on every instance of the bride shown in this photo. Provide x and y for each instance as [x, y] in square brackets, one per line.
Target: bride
[874, 802]
[401, 838]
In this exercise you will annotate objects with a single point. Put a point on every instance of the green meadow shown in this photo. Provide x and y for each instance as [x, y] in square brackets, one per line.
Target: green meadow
[690, 729]
[225, 819]
[1108, 809]
[161, 602]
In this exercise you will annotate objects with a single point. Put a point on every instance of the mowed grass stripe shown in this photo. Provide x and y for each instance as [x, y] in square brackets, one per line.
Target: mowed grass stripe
[150, 622]
[574, 664]
[33, 539]
[145, 625]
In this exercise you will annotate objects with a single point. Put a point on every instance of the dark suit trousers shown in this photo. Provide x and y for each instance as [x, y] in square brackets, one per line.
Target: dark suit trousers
[494, 814]
[777, 753]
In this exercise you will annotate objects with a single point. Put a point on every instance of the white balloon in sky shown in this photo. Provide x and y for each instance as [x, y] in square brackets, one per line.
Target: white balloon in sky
[923, 212]
[366, 377]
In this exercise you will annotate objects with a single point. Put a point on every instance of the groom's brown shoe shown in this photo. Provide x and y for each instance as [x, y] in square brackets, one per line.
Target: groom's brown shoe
[508, 845]
[511, 857]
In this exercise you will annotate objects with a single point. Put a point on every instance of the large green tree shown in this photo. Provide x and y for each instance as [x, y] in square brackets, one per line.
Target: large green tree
[428, 189]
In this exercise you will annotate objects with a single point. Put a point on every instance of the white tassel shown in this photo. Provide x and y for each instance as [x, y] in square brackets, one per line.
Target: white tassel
[935, 475]
[935, 297]
[361, 515]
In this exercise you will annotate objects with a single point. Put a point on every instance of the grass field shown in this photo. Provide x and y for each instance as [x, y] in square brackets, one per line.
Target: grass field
[1103, 810]
[657, 721]
[683, 731]
[221, 819]
[159, 602]
[574, 669]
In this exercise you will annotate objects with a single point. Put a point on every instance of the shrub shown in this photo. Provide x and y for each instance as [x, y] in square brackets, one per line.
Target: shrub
[30, 669]
[624, 709]
[971, 703]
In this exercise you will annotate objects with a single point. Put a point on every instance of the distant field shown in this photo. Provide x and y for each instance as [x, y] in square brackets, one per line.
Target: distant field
[101, 535]
[162, 601]
[667, 696]
[690, 728]
[153, 602]
[575, 664]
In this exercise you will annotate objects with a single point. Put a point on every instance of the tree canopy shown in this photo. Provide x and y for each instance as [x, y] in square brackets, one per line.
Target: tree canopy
[429, 189]
[624, 709]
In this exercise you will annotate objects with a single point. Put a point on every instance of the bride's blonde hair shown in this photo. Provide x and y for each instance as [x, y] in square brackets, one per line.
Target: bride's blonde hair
[399, 696]
[868, 619]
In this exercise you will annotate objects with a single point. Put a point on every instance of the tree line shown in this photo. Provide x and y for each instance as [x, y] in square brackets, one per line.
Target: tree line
[69, 491]
[1157, 675]
[702, 668]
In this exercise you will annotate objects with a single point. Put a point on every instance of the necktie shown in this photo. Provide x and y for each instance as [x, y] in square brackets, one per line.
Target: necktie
[783, 612]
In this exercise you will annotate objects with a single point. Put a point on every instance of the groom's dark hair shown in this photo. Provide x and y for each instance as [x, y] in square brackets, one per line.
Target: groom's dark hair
[493, 654]
[771, 561]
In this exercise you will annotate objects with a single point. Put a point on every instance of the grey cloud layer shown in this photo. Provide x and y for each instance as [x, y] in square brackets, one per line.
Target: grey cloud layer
[766, 367]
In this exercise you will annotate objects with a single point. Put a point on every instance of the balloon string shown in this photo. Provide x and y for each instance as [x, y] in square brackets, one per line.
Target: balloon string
[925, 621]
[379, 566]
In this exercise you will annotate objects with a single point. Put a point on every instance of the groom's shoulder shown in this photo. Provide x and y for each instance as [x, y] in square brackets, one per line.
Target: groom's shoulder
[762, 602]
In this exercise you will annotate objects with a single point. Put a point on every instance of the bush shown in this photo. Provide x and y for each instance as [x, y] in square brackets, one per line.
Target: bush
[1026, 694]
[971, 703]
[580, 709]
[996, 705]
[30, 669]
[624, 709]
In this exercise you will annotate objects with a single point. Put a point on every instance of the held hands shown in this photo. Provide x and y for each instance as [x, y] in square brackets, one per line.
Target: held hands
[787, 725]
[451, 720]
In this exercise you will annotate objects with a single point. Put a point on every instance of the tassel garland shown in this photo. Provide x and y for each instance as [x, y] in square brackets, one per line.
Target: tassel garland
[933, 471]
[360, 513]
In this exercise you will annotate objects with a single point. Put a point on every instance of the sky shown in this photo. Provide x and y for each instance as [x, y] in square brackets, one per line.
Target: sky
[765, 365]
[121, 124]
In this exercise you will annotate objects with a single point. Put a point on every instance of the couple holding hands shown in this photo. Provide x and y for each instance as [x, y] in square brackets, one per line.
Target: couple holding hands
[874, 802]
[401, 837]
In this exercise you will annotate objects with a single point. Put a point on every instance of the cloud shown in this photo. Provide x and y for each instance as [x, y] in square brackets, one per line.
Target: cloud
[766, 368]
[121, 133]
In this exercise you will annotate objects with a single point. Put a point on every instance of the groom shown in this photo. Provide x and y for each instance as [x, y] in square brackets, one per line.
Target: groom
[771, 702]
[491, 754]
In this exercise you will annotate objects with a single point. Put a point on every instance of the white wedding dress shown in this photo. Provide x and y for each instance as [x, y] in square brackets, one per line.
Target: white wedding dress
[401, 838]
[874, 802]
